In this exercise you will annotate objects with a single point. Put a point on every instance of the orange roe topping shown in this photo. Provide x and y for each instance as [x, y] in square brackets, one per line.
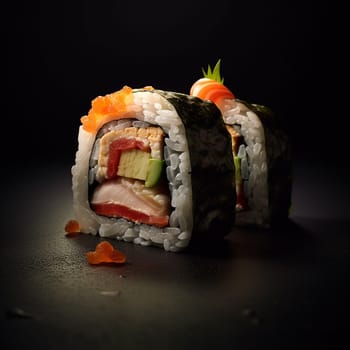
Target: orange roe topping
[72, 228]
[105, 253]
[106, 108]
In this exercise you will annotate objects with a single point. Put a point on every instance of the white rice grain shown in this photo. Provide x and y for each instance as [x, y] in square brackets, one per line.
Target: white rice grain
[150, 108]
[255, 184]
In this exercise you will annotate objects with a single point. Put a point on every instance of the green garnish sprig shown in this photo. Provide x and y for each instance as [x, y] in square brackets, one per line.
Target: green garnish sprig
[214, 73]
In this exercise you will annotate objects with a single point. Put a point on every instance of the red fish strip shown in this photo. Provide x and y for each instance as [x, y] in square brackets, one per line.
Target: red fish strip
[111, 209]
[115, 149]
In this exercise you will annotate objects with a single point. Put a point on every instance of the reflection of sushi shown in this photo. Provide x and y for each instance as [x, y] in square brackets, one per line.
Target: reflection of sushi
[153, 167]
[261, 151]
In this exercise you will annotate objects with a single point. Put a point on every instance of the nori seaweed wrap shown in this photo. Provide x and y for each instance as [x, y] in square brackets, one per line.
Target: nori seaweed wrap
[154, 167]
[261, 151]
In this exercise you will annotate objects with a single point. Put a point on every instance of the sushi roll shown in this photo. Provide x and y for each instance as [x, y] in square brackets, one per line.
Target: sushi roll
[261, 151]
[154, 168]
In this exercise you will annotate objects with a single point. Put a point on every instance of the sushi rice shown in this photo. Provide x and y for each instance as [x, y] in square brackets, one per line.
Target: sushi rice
[265, 159]
[149, 108]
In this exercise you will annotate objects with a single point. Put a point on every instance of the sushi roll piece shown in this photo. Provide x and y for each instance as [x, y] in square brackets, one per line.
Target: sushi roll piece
[154, 168]
[261, 151]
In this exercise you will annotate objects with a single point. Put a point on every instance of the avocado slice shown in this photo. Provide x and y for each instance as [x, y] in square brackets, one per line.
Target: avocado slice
[133, 164]
[154, 172]
[237, 162]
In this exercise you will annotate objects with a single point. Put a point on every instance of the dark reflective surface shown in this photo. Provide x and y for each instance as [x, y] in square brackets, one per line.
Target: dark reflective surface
[284, 288]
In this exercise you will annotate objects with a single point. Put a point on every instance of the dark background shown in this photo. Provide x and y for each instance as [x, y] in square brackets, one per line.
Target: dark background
[281, 289]
[60, 55]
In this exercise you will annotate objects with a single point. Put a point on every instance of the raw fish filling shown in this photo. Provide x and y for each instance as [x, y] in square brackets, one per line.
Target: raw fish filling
[128, 177]
[240, 179]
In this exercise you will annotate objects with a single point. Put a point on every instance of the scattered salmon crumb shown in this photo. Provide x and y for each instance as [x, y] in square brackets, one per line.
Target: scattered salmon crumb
[72, 228]
[105, 253]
